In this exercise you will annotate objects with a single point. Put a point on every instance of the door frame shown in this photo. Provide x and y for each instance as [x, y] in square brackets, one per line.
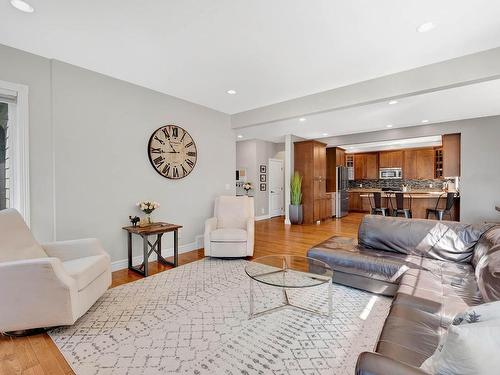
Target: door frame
[282, 162]
[19, 146]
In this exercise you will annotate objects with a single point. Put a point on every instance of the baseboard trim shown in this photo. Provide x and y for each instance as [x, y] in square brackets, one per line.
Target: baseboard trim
[262, 217]
[123, 263]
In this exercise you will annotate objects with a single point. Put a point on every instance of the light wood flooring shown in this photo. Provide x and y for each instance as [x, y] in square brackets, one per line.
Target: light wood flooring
[38, 354]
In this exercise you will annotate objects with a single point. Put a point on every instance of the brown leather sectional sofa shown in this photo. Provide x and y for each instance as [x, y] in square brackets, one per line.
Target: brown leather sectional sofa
[432, 269]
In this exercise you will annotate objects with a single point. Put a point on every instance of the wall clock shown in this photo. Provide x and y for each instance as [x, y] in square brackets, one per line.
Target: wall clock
[172, 152]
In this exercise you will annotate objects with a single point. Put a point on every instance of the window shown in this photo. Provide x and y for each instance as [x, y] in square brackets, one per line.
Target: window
[14, 141]
[4, 157]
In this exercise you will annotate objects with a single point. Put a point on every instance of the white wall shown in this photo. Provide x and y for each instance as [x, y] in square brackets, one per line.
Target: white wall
[250, 155]
[98, 167]
[480, 152]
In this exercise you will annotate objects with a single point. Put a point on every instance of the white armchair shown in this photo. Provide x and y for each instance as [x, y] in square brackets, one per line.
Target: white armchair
[47, 285]
[230, 233]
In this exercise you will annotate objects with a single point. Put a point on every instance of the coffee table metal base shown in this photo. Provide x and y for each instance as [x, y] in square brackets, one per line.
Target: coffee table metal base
[288, 304]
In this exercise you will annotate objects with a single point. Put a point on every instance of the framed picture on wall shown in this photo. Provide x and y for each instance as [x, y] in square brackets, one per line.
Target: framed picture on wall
[262, 187]
[263, 168]
[263, 178]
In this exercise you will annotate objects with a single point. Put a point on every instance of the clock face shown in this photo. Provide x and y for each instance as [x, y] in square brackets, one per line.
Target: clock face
[172, 152]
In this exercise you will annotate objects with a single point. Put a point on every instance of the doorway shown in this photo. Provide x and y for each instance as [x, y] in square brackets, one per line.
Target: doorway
[4, 158]
[276, 188]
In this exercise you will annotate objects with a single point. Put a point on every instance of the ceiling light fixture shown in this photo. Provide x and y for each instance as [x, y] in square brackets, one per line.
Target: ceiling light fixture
[393, 102]
[325, 134]
[240, 136]
[22, 6]
[425, 121]
[427, 26]
[302, 119]
[389, 126]
[231, 92]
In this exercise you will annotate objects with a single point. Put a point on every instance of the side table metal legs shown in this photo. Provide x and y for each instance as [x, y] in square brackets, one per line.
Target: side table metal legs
[148, 248]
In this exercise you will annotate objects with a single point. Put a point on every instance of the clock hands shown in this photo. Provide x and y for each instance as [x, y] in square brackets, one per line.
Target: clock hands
[172, 152]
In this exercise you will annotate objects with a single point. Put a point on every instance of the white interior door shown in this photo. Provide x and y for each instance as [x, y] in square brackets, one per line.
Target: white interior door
[276, 185]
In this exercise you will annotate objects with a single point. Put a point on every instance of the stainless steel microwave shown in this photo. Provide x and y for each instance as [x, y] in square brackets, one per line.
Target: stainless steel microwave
[390, 173]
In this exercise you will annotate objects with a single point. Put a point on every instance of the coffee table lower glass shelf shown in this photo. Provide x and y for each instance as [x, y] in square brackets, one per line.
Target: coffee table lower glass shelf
[289, 272]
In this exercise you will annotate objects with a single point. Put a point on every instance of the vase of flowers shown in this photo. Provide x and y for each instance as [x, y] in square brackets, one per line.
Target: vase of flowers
[148, 207]
[247, 186]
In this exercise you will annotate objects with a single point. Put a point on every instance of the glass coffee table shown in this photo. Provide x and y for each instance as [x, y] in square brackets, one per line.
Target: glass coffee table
[289, 272]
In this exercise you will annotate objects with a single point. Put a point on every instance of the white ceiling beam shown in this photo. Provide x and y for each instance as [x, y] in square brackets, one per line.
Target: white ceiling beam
[461, 71]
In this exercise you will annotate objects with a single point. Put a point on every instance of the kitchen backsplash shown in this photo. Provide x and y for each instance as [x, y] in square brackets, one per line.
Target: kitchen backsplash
[412, 184]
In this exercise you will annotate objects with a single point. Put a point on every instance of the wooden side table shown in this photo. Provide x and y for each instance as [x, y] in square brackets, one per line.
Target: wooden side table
[158, 229]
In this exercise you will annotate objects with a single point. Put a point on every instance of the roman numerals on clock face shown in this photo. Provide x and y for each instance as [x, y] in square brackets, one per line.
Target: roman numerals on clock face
[172, 152]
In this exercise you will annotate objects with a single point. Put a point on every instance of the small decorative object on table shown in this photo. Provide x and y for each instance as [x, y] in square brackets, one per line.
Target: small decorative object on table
[247, 186]
[147, 207]
[134, 220]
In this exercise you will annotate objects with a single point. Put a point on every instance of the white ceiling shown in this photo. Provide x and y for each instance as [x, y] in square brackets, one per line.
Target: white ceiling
[476, 100]
[269, 51]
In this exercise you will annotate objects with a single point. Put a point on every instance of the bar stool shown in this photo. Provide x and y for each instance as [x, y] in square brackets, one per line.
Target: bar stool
[440, 212]
[377, 205]
[400, 206]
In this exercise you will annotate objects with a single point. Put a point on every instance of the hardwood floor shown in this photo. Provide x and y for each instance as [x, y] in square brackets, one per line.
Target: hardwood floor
[38, 355]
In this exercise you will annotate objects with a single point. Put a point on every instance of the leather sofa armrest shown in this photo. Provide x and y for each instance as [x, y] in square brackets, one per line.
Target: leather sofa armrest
[74, 249]
[210, 226]
[377, 364]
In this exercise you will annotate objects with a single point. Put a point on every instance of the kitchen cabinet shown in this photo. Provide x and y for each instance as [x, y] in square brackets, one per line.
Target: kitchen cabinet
[335, 156]
[355, 203]
[340, 156]
[451, 155]
[366, 166]
[310, 161]
[418, 164]
[391, 159]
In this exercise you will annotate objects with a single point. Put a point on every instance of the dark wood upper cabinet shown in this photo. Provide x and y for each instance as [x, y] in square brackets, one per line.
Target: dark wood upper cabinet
[418, 164]
[371, 163]
[366, 166]
[425, 163]
[451, 155]
[410, 164]
[391, 159]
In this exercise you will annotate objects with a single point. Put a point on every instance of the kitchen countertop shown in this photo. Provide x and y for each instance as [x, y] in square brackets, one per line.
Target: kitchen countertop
[414, 191]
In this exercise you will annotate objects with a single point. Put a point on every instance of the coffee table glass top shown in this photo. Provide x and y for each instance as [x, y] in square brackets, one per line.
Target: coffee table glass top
[289, 271]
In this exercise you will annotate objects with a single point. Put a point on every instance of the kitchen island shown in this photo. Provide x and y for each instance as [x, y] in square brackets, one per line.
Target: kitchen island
[421, 200]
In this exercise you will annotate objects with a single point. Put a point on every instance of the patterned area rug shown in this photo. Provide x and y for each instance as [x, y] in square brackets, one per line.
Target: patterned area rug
[194, 320]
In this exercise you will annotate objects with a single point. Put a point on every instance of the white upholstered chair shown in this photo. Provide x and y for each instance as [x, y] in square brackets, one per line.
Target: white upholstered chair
[230, 233]
[47, 285]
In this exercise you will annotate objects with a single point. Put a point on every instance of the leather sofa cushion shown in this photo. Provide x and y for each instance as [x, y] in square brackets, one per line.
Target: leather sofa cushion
[410, 335]
[228, 235]
[17, 241]
[441, 240]
[85, 270]
[438, 294]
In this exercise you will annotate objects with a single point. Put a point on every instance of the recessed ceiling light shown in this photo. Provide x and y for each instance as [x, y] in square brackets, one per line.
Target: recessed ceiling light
[325, 134]
[302, 119]
[425, 121]
[231, 92]
[389, 126]
[240, 136]
[423, 28]
[393, 102]
[22, 6]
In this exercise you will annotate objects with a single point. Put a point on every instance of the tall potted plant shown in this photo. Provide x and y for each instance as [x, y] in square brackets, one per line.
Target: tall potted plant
[296, 199]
